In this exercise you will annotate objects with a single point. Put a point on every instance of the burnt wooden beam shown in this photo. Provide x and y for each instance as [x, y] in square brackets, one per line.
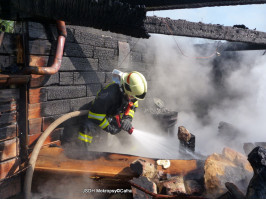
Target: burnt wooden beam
[167, 26]
[230, 46]
[108, 15]
[181, 4]
[111, 165]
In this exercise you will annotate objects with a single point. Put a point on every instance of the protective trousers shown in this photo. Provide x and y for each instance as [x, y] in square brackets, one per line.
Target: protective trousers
[91, 136]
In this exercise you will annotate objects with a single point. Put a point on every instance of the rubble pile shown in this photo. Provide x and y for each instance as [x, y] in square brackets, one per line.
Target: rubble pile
[153, 182]
[225, 175]
[187, 143]
[257, 186]
[230, 166]
[166, 117]
[248, 146]
[187, 140]
[228, 134]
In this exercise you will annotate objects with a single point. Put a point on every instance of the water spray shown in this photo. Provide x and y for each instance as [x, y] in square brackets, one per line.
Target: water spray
[156, 145]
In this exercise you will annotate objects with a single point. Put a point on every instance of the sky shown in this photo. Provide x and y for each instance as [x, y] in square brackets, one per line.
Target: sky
[251, 16]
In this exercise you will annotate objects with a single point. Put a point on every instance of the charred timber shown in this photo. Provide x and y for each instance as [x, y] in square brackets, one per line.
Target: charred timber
[230, 46]
[56, 160]
[167, 26]
[108, 15]
[181, 4]
[13, 79]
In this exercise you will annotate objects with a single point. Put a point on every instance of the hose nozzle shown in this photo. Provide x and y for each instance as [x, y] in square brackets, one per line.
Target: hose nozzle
[131, 131]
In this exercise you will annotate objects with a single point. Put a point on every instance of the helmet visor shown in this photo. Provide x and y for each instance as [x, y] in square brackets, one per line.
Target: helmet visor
[142, 96]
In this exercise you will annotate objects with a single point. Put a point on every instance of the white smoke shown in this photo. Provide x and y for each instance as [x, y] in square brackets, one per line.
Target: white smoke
[187, 84]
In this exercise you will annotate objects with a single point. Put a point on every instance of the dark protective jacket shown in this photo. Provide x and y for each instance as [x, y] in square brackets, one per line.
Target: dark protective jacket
[110, 101]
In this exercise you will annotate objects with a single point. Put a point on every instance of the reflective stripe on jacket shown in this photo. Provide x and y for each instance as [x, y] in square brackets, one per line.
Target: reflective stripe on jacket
[85, 137]
[109, 102]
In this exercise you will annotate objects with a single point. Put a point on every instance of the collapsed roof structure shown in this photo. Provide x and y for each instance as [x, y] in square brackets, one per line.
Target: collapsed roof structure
[128, 17]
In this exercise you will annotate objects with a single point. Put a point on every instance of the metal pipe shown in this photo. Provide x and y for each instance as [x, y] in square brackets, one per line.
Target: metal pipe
[54, 68]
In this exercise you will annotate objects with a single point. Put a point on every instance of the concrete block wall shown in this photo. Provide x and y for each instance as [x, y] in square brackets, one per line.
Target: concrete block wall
[90, 56]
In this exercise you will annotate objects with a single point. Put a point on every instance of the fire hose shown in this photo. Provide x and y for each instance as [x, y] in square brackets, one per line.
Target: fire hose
[37, 148]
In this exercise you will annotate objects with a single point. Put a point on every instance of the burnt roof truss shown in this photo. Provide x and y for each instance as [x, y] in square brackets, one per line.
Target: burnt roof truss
[167, 26]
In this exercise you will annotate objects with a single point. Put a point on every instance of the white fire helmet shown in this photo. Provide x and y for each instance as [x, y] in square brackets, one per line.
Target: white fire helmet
[134, 84]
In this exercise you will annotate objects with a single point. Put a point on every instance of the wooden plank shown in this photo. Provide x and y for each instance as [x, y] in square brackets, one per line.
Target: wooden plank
[6, 99]
[9, 44]
[23, 123]
[9, 167]
[34, 111]
[41, 177]
[6, 61]
[9, 149]
[51, 139]
[35, 126]
[8, 132]
[37, 95]
[13, 79]
[9, 93]
[116, 166]
[10, 187]
[7, 118]
[7, 107]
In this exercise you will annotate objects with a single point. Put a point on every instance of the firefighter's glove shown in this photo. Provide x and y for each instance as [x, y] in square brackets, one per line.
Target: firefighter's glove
[112, 129]
[126, 124]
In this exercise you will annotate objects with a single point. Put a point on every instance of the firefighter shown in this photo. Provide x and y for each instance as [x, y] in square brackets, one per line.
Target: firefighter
[107, 110]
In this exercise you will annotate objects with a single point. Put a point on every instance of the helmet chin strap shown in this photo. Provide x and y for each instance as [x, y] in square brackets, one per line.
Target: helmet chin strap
[121, 87]
[125, 94]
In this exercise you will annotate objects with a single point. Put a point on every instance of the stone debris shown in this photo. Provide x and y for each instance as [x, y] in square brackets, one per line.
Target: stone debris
[145, 183]
[230, 166]
[174, 185]
[230, 135]
[257, 186]
[187, 140]
[193, 187]
[237, 158]
[248, 147]
[183, 134]
[226, 175]
[144, 168]
[165, 163]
